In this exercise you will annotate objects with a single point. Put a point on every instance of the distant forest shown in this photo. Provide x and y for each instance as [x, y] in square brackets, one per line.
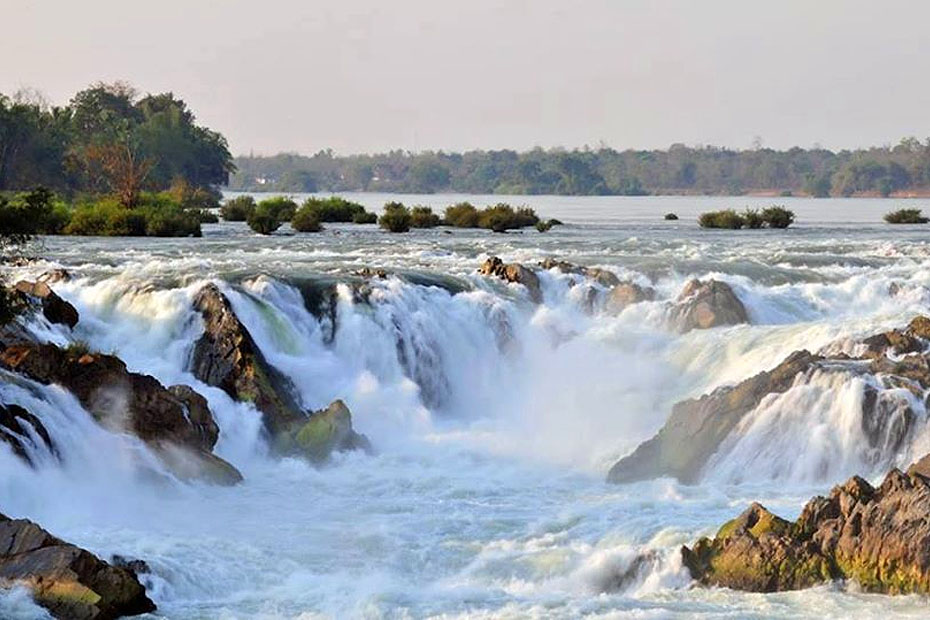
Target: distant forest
[903, 169]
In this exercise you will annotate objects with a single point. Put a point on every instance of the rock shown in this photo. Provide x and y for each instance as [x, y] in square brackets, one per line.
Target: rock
[696, 427]
[368, 272]
[877, 537]
[324, 432]
[68, 581]
[55, 309]
[134, 565]
[603, 277]
[702, 305]
[17, 427]
[226, 356]
[626, 294]
[513, 272]
[54, 275]
[172, 422]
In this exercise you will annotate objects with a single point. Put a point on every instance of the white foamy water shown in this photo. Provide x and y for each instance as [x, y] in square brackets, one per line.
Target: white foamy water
[494, 420]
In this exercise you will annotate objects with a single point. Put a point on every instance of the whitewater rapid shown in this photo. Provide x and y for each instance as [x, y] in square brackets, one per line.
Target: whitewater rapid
[493, 420]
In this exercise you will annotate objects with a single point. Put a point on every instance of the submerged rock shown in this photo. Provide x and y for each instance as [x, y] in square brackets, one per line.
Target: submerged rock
[55, 309]
[17, 427]
[71, 583]
[513, 272]
[702, 305]
[877, 537]
[172, 421]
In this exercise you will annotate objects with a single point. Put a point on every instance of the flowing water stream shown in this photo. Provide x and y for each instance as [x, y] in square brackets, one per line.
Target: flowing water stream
[494, 420]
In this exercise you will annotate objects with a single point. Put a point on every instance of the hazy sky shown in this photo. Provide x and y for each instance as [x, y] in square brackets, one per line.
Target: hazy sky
[371, 75]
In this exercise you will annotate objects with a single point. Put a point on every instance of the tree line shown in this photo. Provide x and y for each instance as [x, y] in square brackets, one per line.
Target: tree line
[680, 169]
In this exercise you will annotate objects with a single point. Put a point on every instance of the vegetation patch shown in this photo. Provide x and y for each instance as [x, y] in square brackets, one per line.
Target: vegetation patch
[770, 217]
[906, 216]
[396, 218]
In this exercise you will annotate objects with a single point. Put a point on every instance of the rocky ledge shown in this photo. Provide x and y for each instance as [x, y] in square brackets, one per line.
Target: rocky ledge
[876, 537]
[696, 428]
[68, 581]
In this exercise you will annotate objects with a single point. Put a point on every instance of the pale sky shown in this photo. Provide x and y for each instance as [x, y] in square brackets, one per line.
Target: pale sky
[372, 75]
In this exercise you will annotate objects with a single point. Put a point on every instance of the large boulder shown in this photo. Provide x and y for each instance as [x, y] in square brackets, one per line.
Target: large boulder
[71, 583]
[702, 305]
[55, 309]
[626, 294]
[173, 422]
[226, 356]
[605, 278]
[696, 427]
[513, 272]
[20, 430]
[877, 537]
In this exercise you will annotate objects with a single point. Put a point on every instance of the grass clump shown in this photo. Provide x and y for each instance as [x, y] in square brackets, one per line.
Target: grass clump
[906, 216]
[396, 218]
[727, 218]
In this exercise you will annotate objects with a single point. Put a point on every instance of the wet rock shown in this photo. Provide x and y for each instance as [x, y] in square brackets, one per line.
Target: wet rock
[702, 305]
[626, 294]
[134, 565]
[324, 432]
[17, 429]
[55, 309]
[226, 356]
[171, 422]
[369, 272]
[877, 537]
[603, 277]
[55, 275]
[513, 272]
[68, 581]
[696, 427]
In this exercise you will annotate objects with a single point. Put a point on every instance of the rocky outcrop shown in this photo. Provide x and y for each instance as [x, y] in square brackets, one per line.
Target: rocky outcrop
[702, 305]
[513, 272]
[626, 294]
[322, 433]
[68, 581]
[696, 427]
[55, 309]
[175, 422]
[226, 356]
[877, 537]
[605, 278]
[20, 430]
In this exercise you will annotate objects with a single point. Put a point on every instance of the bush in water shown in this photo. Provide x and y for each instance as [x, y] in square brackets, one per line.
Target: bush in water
[906, 216]
[778, 217]
[423, 217]
[280, 207]
[335, 209]
[396, 218]
[306, 220]
[238, 209]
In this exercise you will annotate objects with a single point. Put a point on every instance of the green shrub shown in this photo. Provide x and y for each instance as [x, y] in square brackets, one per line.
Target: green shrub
[671, 216]
[335, 209]
[206, 216]
[396, 218]
[188, 196]
[279, 207]
[727, 218]
[461, 215]
[906, 216]
[752, 218]
[543, 225]
[778, 217]
[170, 221]
[238, 209]
[423, 217]
[306, 219]
[502, 217]
[106, 218]
[366, 217]
[263, 223]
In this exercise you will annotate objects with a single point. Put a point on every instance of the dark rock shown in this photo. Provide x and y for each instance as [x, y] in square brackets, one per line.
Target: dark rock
[171, 423]
[603, 277]
[513, 272]
[324, 432]
[54, 275]
[68, 581]
[696, 427]
[877, 537]
[134, 565]
[702, 305]
[55, 309]
[15, 425]
[226, 356]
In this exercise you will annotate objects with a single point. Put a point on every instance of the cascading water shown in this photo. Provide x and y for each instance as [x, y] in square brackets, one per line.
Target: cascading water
[493, 421]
